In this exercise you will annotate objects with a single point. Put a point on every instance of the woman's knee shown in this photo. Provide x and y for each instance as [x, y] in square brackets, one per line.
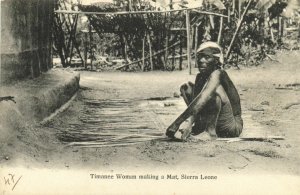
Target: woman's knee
[187, 88]
[187, 91]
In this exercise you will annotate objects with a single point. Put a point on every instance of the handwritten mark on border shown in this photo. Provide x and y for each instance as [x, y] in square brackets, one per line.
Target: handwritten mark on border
[10, 181]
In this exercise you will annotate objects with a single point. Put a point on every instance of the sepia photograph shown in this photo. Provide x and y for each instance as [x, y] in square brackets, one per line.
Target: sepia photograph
[150, 97]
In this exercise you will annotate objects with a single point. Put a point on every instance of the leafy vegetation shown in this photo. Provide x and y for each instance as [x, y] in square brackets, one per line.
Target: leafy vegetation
[160, 35]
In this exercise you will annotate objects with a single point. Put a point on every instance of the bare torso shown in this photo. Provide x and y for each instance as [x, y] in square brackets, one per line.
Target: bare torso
[225, 90]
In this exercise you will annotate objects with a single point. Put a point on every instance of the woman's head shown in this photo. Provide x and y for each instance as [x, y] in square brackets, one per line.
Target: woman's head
[209, 57]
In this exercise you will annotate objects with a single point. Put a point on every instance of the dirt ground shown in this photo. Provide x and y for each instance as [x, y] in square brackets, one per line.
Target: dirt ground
[140, 101]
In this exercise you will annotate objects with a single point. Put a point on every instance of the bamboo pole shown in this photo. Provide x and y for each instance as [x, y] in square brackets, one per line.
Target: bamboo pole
[85, 50]
[238, 29]
[228, 15]
[188, 37]
[212, 23]
[150, 51]
[42, 28]
[180, 53]
[263, 32]
[240, 8]
[90, 42]
[143, 65]
[130, 5]
[125, 48]
[136, 12]
[196, 45]
[166, 53]
[233, 6]
[208, 13]
[220, 31]
[279, 27]
[271, 32]
[50, 31]
[73, 36]
[173, 54]
[192, 31]
[155, 54]
[283, 26]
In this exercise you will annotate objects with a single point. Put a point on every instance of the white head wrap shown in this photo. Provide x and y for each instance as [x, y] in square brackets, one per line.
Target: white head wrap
[210, 44]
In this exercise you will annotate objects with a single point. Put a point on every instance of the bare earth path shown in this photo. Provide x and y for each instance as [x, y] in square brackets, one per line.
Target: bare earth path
[130, 111]
[118, 120]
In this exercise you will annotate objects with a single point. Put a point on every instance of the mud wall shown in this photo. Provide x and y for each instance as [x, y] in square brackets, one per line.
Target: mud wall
[26, 38]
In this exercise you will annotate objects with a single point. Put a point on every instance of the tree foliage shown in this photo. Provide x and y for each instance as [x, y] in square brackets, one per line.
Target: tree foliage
[260, 32]
[64, 34]
[132, 29]
[123, 35]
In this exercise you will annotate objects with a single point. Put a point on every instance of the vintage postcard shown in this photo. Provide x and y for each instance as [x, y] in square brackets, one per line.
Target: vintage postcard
[150, 97]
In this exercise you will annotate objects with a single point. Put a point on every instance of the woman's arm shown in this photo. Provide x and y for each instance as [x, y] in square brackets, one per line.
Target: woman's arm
[209, 91]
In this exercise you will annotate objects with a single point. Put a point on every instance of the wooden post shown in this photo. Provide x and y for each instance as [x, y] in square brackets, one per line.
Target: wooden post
[298, 29]
[85, 50]
[125, 48]
[240, 8]
[90, 44]
[188, 38]
[39, 40]
[173, 54]
[196, 45]
[166, 52]
[228, 15]
[263, 29]
[129, 5]
[150, 51]
[143, 65]
[280, 27]
[180, 53]
[50, 28]
[233, 7]
[283, 27]
[220, 31]
[271, 32]
[192, 41]
[73, 36]
[211, 20]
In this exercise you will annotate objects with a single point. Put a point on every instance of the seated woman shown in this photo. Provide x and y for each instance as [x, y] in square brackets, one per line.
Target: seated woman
[213, 101]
